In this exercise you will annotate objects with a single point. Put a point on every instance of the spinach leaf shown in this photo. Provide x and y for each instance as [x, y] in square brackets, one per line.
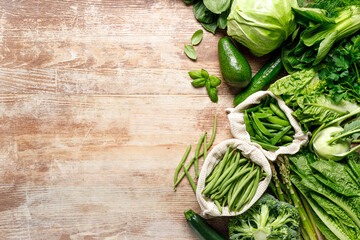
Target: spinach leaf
[217, 6]
[202, 14]
[222, 20]
[211, 27]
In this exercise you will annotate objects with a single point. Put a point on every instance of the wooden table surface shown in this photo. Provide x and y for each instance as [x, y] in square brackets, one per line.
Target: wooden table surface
[97, 110]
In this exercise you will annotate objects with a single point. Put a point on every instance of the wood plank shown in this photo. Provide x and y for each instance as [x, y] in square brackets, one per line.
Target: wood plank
[78, 166]
[87, 47]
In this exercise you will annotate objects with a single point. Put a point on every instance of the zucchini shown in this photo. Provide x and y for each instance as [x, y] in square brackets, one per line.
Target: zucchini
[262, 78]
[200, 227]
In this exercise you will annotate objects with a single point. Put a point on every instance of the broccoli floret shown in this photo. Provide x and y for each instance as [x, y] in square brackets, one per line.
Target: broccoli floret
[267, 219]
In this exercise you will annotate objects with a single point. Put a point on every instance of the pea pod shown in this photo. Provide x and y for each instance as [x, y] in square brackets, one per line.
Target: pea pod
[278, 121]
[249, 129]
[260, 126]
[278, 136]
[278, 111]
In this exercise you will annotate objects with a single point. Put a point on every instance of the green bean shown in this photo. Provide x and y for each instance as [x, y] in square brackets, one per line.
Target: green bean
[205, 147]
[209, 187]
[256, 184]
[226, 172]
[236, 176]
[222, 193]
[266, 146]
[243, 183]
[278, 111]
[277, 137]
[260, 126]
[218, 205]
[244, 196]
[277, 120]
[273, 126]
[186, 154]
[212, 138]
[249, 129]
[201, 140]
[190, 179]
[229, 195]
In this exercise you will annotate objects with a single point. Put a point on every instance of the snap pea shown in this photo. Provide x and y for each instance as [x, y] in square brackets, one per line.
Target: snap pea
[262, 115]
[267, 100]
[260, 126]
[249, 129]
[278, 111]
[266, 146]
[254, 109]
[277, 120]
[287, 138]
[272, 126]
[279, 135]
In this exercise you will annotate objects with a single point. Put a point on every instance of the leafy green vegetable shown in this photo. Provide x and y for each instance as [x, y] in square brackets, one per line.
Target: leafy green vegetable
[202, 14]
[217, 6]
[197, 37]
[261, 25]
[336, 214]
[341, 74]
[302, 91]
[268, 218]
[315, 42]
[190, 52]
[201, 78]
[222, 20]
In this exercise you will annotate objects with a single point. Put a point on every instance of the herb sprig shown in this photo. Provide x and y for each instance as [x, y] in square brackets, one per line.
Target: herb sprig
[201, 78]
[342, 72]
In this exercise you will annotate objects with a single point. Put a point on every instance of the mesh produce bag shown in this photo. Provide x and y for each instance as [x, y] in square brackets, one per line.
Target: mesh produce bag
[208, 207]
[238, 128]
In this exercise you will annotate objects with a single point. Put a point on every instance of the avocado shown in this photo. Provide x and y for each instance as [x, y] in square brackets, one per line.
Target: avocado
[235, 69]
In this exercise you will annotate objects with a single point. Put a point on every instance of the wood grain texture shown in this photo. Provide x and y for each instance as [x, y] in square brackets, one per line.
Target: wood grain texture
[96, 110]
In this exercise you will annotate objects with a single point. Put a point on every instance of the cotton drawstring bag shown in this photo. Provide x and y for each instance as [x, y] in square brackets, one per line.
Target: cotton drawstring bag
[208, 207]
[238, 129]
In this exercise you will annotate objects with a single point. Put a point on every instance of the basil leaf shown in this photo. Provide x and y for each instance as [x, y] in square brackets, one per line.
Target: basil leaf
[202, 14]
[195, 74]
[190, 52]
[213, 95]
[204, 73]
[211, 27]
[200, 82]
[217, 6]
[197, 37]
[214, 81]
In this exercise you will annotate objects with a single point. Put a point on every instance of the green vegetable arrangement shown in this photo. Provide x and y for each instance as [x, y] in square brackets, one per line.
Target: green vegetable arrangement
[234, 181]
[268, 125]
[269, 219]
[332, 191]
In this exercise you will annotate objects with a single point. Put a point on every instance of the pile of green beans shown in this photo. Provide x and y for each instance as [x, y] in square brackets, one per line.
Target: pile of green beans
[268, 125]
[233, 181]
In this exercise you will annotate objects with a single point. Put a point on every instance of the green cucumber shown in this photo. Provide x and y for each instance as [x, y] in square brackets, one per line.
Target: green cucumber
[201, 228]
[235, 69]
[262, 78]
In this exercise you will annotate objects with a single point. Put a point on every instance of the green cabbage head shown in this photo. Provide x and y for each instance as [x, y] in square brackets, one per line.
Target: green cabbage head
[261, 25]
